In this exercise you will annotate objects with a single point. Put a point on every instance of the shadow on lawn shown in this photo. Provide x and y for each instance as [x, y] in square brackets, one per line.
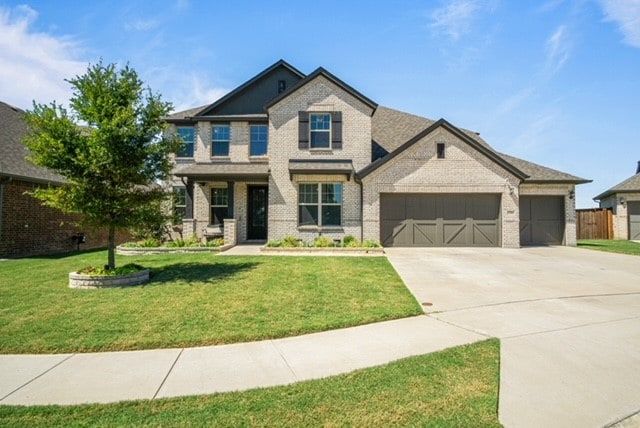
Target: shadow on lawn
[192, 273]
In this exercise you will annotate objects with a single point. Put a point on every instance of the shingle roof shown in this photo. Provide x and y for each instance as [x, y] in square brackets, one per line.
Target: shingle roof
[631, 184]
[324, 166]
[180, 115]
[224, 169]
[13, 153]
[391, 129]
[538, 173]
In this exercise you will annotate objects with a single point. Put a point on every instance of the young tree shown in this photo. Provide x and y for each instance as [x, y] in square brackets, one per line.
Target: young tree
[114, 162]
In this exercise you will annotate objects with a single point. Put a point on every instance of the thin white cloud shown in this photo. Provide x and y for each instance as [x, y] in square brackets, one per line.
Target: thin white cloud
[513, 102]
[550, 6]
[34, 65]
[558, 49]
[142, 25]
[455, 18]
[626, 14]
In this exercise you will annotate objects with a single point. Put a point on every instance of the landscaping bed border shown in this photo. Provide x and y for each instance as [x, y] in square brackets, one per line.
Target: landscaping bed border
[322, 251]
[135, 251]
[78, 280]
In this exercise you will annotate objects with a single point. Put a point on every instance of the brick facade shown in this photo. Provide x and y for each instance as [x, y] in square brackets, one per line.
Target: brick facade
[463, 170]
[618, 203]
[30, 228]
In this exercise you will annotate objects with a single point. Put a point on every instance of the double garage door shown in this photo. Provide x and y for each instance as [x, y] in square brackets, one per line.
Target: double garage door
[428, 220]
[468, 220]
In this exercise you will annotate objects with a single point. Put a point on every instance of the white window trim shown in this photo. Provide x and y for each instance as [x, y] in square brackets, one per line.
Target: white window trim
[265, 155]
[221, 141]
[192, 142]
[329, 131]
[212, 205]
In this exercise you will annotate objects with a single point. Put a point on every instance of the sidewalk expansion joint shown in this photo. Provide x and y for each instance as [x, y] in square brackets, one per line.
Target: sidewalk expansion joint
[470, 330]
[168, 373]
[293, 372]
[37, 377]
[535, 333]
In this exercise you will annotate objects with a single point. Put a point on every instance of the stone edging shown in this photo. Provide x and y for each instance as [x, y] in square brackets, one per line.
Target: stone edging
[322, 251]
[77, 280]
[134, 251]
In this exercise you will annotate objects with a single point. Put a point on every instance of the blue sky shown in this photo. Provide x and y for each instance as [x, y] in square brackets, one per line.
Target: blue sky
[555, 82]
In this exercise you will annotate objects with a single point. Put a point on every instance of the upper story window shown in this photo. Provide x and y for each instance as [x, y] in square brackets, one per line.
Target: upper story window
[320, 130]
[221, 137]
[282, 86]
[440, 150]
[187, 133]
[259, 140]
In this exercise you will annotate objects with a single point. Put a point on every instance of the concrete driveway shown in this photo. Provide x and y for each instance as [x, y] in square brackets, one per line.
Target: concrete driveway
[568, 320]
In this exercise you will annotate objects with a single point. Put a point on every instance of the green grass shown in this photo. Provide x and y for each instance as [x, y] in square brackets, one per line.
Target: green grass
[192, 299]
[453, 388]
[611, 246]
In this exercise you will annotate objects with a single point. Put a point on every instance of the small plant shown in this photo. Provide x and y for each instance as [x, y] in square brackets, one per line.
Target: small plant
[351, 242]
[371, 243]
[217, 242]
[149, 243]
[104, 271]
[291, 241]
[181, 243]
[322, 242]
[274, 243]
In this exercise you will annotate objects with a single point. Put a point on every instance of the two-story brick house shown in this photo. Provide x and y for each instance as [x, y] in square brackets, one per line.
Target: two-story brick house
[293, 154]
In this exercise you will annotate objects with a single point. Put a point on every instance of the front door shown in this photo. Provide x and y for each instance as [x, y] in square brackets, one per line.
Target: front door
[257, 212]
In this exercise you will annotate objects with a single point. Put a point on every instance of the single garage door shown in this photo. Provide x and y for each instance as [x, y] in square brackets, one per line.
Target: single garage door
[634, 220]
[541, 220]
[428, 220]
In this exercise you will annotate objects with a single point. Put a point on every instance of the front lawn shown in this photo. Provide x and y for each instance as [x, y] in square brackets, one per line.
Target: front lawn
[611, 246]
[192, 300]
[453, 388]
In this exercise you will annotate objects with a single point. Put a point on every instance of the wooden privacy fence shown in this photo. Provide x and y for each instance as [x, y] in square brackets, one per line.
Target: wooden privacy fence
[595, 223]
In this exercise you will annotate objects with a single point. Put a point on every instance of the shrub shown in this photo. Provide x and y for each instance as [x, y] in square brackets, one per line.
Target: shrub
[351, 241]
[371, 243]
[189, 242]
[274, 243]
[103, 271]
[149, 242]
[323, 241]
[291, 241]
[217, 242]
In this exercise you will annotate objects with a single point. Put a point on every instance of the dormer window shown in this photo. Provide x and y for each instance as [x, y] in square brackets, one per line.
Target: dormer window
[320, 130]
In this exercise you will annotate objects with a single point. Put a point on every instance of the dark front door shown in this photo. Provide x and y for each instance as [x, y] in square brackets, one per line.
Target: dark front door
[257, 212]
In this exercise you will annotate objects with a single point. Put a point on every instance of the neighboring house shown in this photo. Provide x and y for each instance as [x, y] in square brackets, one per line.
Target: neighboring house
[624, 201]
[308, 155]
[27, 227]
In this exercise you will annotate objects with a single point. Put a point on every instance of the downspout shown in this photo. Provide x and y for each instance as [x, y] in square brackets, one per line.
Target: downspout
[357, 180]
[3, 181]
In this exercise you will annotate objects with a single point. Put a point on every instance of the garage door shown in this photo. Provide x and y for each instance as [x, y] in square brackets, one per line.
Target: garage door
[634, 220]
[427, 220]
[541, 220]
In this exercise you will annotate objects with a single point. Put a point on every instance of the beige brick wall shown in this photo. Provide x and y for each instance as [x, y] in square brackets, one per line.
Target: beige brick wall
[620, 213]
[320, 95]
[569, 205]
[464, 170]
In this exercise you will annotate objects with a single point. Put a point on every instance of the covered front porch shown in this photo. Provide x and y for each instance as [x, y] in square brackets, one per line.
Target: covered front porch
[227, 200]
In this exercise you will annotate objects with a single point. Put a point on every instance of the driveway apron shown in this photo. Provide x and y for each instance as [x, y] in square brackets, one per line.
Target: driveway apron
[568, 320]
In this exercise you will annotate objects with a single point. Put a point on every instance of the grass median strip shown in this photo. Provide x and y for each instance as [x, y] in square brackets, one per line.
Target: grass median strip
[611, 246]
[192, 300]
[451, 388]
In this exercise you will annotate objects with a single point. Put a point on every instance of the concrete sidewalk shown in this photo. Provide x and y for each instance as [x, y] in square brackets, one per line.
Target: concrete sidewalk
[115, 376]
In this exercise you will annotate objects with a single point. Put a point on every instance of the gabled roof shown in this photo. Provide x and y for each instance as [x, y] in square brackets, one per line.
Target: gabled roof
[630, 185]
[324, 73]
[13, 153]
[249, 83]
[482, 148]
[542, 174]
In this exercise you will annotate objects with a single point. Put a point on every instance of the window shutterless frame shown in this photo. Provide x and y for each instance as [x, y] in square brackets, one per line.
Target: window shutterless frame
[179, 204]
[259, 140]
[219, 205]
[319, 204]
[187, 134]
[320, 130]
[220, 140]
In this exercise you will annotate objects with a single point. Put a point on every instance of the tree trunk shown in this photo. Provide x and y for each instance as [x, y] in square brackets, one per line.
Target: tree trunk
[111, 263]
